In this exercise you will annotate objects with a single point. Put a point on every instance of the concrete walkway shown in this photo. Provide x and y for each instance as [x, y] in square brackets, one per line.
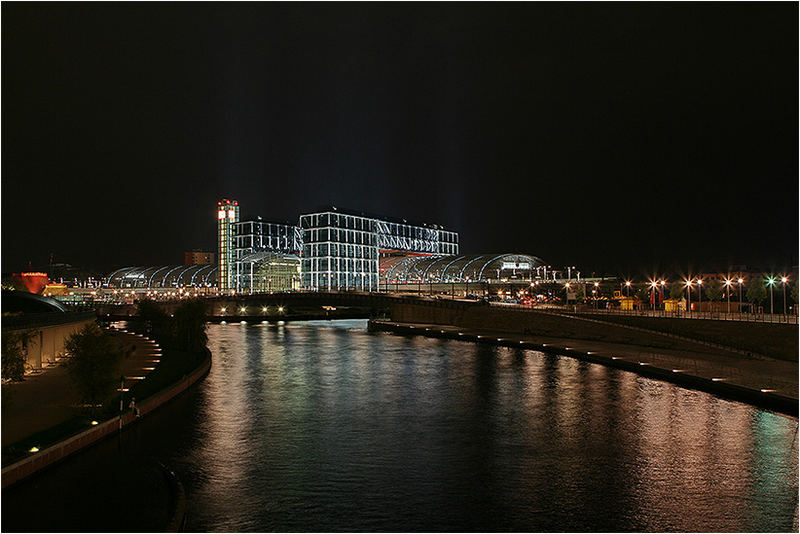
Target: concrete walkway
[765, 375]
[48, 398]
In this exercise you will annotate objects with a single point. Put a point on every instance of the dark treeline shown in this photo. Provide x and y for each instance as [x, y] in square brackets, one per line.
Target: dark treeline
[185, 330]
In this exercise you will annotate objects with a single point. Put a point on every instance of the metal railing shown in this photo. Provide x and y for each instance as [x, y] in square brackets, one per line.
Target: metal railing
[680, 314]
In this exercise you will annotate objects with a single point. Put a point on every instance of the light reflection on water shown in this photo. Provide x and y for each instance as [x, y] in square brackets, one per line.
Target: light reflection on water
[323, 426]
[337, 428]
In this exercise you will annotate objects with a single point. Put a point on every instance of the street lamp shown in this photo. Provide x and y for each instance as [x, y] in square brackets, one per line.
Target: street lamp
[653, 286]
[596, 290]
[689, 293]
[771, 282]
[700, 294]
[783, 281]
[728, 286]
[627, 288]
[740, 280]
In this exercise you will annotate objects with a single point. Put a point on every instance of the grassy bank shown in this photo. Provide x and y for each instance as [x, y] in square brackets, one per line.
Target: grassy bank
[775, 340]
[174, 365]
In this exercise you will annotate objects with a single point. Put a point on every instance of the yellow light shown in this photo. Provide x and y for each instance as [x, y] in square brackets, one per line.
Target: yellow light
[223, 310]
[627, 283]
[34, 449]
[242, 309]
[94, 423]
[700, 281]
[784, 279]
[280, 309]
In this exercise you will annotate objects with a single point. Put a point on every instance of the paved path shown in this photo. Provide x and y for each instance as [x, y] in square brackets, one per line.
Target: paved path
[778, 376]
[48, 398]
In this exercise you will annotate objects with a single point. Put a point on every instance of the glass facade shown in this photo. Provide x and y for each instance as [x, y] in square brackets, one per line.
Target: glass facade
[341, 250]
[254, 237]
[333, 249]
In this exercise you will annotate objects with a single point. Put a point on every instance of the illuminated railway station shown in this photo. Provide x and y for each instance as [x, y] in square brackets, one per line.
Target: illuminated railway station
[334, 249]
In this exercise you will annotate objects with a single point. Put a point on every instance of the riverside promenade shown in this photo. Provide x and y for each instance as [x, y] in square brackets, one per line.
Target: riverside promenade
[48, 398]
[762, 381]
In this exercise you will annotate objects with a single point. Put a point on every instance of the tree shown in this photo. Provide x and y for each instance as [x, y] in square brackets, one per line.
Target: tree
[643, 293]
[190, 325]
[580, 292]
[713, 290]
[93, 363]
[676, 290]
[14, 347]
[153, 321]
[756, 291]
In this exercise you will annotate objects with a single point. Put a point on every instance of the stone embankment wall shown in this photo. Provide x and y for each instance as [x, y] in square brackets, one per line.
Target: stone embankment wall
[534, 323]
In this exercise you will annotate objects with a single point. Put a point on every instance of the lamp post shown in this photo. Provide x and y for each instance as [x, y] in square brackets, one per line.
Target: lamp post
[740, 280]
[661, 291]
[653, 286]
[627, 288]
[783, 281]
[596, 290]
[689, 293]
[700, 294]
[728, 286]
[771, 282]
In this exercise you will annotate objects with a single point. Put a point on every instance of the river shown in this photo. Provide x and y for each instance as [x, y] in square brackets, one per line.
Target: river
[323, 426]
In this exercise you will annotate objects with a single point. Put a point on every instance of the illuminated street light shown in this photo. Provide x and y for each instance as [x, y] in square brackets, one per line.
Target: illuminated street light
[771, 282]
[740, 280]
[653, 286]
[689, 293]
[728, 286]
[700, 294]
[783, 281]
[627, 288]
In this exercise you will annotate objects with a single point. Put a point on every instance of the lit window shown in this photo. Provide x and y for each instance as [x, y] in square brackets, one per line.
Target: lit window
[221, 214]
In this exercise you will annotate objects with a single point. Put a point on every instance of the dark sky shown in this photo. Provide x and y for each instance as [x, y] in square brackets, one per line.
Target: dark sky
[609, 136]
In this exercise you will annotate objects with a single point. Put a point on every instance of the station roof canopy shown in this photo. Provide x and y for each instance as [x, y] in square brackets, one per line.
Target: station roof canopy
[164, 276]
[457, 268]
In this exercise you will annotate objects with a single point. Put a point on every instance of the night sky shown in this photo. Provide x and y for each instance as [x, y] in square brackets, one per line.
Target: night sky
[615, 137]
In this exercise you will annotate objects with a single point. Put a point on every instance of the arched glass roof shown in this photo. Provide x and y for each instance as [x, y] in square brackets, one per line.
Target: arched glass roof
[459, 268]
[164, 276]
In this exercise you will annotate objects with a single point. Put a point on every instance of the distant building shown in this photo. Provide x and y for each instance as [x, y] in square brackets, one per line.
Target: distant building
[31, 282]
[198, 257]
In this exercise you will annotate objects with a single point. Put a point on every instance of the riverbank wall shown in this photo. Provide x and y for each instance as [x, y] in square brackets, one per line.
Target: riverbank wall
[55, 453]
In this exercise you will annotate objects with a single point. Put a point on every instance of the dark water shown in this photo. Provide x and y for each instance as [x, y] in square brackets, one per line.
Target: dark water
[322, 426]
